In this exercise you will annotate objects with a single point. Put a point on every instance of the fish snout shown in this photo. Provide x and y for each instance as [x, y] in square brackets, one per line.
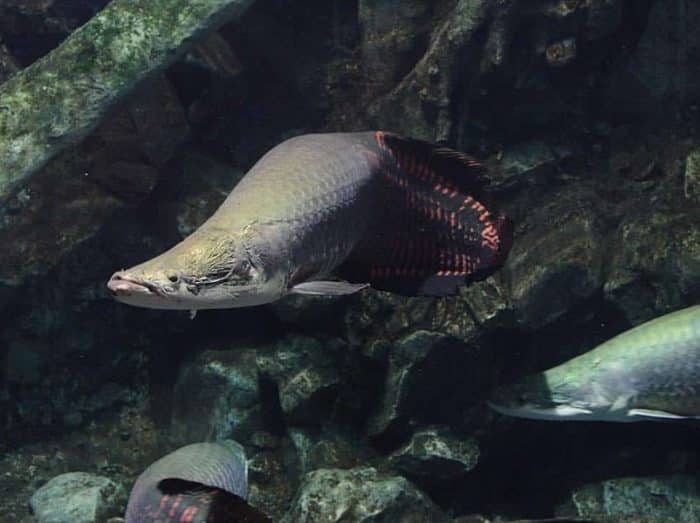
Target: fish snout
[121, 285]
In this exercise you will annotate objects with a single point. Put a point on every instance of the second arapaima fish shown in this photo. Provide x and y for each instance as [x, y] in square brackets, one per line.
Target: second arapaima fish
[330, 214]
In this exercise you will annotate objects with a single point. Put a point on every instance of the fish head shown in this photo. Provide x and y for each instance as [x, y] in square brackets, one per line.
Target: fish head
[204, 271]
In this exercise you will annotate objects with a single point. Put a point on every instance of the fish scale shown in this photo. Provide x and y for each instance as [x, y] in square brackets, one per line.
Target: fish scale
[307, 193]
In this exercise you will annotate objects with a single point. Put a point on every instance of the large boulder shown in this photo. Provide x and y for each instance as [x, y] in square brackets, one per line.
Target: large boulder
[362, 495]
[307, 375]
[117, 165]
[436, 455]
[217, 396]
[410, 397]
[662, 499]
[656, 266]
[557, 262]
[78, 497]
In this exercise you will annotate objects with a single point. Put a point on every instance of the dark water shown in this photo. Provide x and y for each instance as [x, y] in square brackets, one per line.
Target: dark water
[586, 115]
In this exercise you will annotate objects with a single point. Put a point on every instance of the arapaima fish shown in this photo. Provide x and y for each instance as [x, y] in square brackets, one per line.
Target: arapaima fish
[368, 208]
[650, 372]
[198, 483]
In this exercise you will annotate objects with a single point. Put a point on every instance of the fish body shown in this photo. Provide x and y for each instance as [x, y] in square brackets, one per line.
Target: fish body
[198, 483]
[649, 372]
[371, 207]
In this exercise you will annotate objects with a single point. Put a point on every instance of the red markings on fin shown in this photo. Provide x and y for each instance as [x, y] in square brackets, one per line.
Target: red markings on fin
[439, 228]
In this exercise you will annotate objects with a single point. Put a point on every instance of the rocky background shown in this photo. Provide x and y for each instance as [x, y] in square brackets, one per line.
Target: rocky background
[368, 408]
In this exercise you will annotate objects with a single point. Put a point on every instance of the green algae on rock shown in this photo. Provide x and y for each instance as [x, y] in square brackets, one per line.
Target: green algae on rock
[54, 103]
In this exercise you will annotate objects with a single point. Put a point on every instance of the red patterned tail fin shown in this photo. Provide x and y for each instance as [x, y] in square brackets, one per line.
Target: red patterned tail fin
[438, 228]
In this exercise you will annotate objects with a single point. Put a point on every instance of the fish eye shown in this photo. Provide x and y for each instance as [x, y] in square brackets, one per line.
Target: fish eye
[174, 277]
[241, 266]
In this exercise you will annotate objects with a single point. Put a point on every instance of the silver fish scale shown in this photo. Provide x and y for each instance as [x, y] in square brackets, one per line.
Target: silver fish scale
[311, 195]
[673, 381]
[659, 360]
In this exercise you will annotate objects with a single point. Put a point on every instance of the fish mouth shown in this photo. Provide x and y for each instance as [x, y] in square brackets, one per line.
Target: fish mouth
[123, 286]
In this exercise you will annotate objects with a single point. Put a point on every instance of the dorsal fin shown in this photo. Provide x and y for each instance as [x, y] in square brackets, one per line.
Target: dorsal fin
[435, 165]
[438, 227]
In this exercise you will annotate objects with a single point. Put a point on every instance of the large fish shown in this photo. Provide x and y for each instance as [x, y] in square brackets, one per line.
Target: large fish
[370, 208]
[198, 483]
[649, 372]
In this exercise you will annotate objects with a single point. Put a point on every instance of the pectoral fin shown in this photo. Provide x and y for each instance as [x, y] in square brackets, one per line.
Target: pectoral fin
[327, 288]
[655, 414]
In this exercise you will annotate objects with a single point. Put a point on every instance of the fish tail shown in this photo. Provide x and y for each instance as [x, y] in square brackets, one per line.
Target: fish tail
[438, 227]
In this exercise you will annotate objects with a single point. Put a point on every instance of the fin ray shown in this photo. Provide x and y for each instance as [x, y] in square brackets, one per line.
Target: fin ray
[327, 288]
[438, 229]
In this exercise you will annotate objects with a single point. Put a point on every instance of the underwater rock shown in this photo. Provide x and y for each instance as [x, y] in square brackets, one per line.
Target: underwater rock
[420, 103]
[652, 271]
[416, 364]
[469, 41]
[307, 375]
[387, 55]
[663, 62]
[558, 262]
[226, 393]
[311, 312]
[78, 497]
[328, 448]
[217, 397]
[661, 499]
[526, 163]
[116, 165]
[692, 176]
[478, 307]
[206, 182]
[360, 495]
[57, 101]
[376, 314]
[8, 64]
[436, 455]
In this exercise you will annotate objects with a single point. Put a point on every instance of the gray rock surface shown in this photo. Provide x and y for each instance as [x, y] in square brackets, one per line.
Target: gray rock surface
[410, 396]
[653, 270]
[328, 448]
[558, 262]
[223, 393]
[436, 455]
[362, 495]
[307, 375]
[78, 497]
[660, 499]
[216, 397]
